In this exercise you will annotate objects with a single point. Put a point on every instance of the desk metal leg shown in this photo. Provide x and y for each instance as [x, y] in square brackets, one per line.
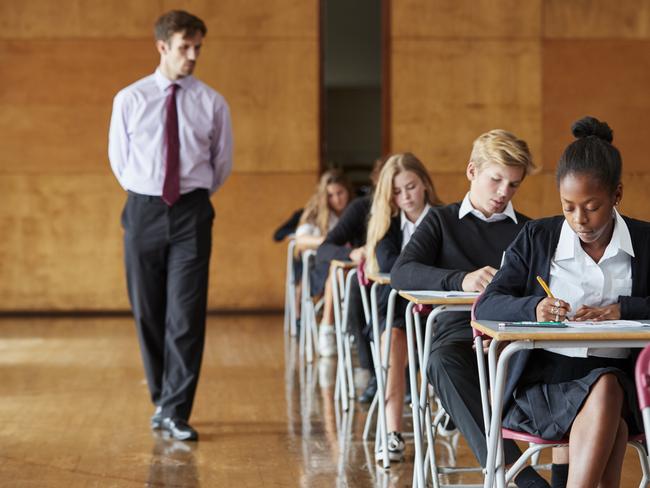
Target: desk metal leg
[494, 446]
[345, 333]
[379, 373]
[418, 467]
[340, 369]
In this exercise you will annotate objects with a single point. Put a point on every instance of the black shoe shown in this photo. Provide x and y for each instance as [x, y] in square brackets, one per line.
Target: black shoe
[370, 391]
[156, 419]
[179, 429]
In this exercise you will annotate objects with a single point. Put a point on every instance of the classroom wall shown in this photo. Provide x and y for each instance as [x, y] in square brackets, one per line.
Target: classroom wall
[458, 68]
[59, 218]
[462, 67]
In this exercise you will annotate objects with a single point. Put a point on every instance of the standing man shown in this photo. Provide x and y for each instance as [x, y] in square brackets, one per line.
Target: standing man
[170, 147]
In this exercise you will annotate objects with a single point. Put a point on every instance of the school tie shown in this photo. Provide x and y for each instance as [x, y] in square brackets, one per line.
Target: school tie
[171, 186]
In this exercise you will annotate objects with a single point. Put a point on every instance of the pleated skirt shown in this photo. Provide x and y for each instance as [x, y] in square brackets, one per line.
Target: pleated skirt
[553, 389]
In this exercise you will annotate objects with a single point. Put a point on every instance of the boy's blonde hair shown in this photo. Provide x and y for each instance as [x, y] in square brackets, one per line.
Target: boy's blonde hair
[504, 148]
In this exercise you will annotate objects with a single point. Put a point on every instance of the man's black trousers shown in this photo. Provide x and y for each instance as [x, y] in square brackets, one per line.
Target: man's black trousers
[167, 257]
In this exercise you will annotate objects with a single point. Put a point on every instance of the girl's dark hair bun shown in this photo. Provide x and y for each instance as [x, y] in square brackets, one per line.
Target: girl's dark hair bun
[591, 126]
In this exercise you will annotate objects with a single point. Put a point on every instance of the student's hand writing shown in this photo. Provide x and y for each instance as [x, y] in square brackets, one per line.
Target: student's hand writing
[610, 312]
[356, 255]
[479, 279]
[552, 310]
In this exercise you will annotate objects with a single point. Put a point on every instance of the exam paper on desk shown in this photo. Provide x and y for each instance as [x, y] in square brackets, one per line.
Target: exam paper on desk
[606, 324]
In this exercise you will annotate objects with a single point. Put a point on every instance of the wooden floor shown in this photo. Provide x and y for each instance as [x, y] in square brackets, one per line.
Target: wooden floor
[74, 412]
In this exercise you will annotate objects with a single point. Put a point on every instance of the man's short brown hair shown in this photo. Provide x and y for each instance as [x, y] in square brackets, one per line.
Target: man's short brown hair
[181, 21]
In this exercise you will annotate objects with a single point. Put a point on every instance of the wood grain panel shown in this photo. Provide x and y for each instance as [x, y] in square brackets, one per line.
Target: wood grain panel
[35, 19]
[596, 19]
[635, 195]
[73, 72]
[54, 139]
[252, 18]
[446, 93]
[606, 79]
[466, 19]
[62, 241]
[272, 89]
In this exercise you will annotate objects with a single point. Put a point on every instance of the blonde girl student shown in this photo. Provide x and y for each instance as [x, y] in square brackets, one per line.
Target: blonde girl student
[323, 209]
[597, 264]
[403, 196]
[321, 214]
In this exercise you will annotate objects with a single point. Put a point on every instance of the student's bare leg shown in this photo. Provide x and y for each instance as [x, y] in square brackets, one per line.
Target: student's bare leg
[612, 474]
[560, 455]
[594, 434]
[396, 380]
[328, 304]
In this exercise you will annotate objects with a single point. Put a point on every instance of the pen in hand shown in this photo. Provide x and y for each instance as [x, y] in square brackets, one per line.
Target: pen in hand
[541, 281]
[550, 309]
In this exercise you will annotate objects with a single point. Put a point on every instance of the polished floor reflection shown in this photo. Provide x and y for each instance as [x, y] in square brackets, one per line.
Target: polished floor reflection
[74, 413]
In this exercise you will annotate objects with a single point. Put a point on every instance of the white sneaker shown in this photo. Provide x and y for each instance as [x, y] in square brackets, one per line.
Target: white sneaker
[326, 341]
[395, 448]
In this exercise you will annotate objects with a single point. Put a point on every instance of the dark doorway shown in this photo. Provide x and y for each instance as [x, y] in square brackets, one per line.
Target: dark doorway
[353, 115]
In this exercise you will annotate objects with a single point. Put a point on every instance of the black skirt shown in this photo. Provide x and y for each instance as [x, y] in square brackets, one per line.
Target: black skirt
[554, 387]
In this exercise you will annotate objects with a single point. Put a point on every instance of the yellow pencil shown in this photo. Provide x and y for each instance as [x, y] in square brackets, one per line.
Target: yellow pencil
[545, 286]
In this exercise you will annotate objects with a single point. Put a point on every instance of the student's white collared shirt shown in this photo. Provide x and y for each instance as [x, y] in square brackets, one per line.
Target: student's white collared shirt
[578, 280]
[466, 207]
[408, 227]
[309, 229]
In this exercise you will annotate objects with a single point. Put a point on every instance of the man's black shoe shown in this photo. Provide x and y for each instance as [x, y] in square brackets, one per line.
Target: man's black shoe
[156, 419]
[370, 391]
[179, 429]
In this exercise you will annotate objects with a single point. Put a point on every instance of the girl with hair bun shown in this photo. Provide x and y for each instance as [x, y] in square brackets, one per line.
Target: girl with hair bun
[596, 263]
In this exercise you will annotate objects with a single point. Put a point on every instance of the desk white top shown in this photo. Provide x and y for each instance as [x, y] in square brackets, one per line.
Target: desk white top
[491, 328]
[427, 297]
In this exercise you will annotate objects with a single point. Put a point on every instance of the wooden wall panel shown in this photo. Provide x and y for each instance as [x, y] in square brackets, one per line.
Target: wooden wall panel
[446, 92]
[77, 72]
[604, 78]
[466, 19]
[62, 241]
[589, 19]
[64, 19]
[272, 88]
[252, 18]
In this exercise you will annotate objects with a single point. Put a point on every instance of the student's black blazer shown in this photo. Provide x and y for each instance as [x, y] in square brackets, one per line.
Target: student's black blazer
[389, 247]
[514, 292]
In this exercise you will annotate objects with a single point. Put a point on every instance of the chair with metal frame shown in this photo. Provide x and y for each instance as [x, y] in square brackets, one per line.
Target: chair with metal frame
[380, 359]
[290, 312]
[341, 283]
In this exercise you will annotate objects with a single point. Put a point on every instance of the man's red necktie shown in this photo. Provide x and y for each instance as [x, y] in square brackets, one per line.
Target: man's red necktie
[171, 186]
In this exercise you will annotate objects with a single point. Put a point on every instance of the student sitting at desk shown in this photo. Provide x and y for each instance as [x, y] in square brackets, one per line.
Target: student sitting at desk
[459, 247]
[321, 214]
[347, 241]
[598, 266]
[404, 195]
